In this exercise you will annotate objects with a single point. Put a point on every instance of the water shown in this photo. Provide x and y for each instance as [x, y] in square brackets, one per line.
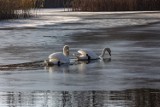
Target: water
[129, 78]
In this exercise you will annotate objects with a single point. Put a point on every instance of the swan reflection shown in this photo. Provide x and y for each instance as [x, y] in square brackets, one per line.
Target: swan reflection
[63, 68]
[78, 66]
[91, 64]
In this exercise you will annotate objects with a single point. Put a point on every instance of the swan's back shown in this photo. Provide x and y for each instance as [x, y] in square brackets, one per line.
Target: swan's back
[59, 56]
[92, 54]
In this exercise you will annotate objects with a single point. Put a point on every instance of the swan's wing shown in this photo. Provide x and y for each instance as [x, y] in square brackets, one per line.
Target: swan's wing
[55, 55]
[59, 56]
[92, 54]
[82, 52]
[81, 55]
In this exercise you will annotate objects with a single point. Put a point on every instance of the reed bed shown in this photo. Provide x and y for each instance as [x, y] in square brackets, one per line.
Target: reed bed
[17, 8]
[115, 5]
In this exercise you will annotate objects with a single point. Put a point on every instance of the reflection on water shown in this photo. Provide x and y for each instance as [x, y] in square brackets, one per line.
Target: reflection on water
[130, 79]
[55, 68]
[80, 66]
[126, 98]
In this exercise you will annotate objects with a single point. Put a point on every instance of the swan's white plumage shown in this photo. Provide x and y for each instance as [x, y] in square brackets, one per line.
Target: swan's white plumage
[87, 54]
[84, 52]
[58, 56]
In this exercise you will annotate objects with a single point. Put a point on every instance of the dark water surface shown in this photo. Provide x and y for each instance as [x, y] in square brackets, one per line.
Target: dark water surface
[127, 98]
[130, 78]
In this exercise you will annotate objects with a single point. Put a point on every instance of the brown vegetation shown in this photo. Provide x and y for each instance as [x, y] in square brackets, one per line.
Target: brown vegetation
[17, 8]
[115, 5]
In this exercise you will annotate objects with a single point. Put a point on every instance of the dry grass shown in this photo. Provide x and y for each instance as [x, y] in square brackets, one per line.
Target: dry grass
[17, 8]
[115, 5]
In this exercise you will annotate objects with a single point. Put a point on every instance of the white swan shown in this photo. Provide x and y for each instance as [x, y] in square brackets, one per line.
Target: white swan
[87, 54]
[59, 58]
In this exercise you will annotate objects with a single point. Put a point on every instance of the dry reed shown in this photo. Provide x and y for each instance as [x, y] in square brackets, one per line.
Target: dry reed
[115, 5]
[17, 8]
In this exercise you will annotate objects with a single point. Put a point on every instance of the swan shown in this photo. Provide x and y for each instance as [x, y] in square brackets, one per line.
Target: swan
[87, 54]
[59, 58]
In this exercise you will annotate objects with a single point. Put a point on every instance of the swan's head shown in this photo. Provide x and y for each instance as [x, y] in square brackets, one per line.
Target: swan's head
[66, 50]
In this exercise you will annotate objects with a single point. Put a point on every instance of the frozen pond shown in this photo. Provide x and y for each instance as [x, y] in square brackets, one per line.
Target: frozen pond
[130, 78]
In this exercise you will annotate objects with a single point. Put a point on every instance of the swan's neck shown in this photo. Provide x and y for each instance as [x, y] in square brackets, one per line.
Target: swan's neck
[103, 53]
[66, 52]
